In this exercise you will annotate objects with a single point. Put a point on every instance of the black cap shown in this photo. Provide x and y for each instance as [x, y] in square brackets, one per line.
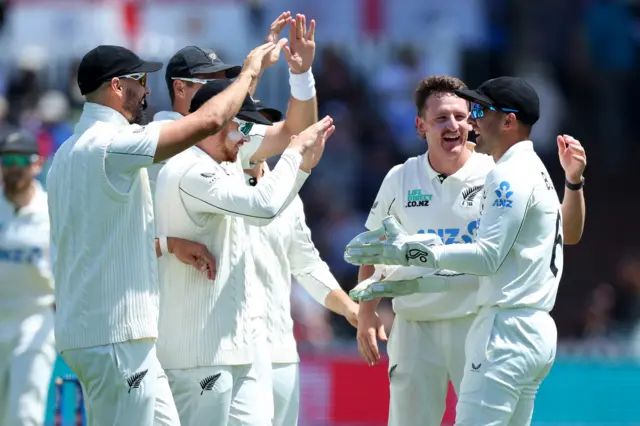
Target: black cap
[248, 110]
[192, 60]
[19, 142]
[275, 114]
[105, 62]
[507, 92]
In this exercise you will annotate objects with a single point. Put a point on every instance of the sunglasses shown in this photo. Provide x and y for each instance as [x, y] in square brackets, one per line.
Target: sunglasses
[477, 110]
[194, 80]
[139, 76]
[244, 127]
[17, 160]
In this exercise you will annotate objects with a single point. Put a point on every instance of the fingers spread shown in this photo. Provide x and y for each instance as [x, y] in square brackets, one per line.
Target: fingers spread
[312, 30]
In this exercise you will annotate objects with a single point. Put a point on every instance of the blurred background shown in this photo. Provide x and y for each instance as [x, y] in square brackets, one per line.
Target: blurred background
[580, 55]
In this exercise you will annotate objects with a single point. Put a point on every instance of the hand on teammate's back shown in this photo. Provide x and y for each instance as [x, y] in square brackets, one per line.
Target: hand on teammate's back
[194, 254]
[302, 46]
[257, 60]
[311, 141]
[272, 36]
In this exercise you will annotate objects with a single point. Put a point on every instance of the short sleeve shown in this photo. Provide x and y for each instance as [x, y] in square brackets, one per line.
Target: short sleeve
[383, 204]
[132, 149]
[256, 136]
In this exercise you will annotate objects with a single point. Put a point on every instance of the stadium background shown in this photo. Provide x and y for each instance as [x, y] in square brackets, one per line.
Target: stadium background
[581, 55]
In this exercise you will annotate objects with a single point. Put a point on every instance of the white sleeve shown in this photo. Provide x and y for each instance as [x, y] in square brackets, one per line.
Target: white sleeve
[206, 191]
[385, 200]
[507, 198]
[306, 265]
[256, 136]
[131, 149]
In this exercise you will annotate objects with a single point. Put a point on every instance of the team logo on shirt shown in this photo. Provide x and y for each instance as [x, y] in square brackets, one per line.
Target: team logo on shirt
[208, 382]
[455, 235]
[504, 195]
[415, 198]
[470, 194]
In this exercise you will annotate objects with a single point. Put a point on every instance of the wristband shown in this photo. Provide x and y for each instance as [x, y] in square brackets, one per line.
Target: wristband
[303, 86]
[574, 186]
[164, 246]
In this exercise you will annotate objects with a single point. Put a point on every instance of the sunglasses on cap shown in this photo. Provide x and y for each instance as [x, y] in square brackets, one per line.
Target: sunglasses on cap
[141, 77]
[17, 160]
[193, 80]
[244, 127]
[477, 110]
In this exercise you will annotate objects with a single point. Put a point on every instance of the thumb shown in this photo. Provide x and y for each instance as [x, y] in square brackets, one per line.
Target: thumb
[281, 43]
[562, 147]
[392, 228]
[381, 333]
[287, 52]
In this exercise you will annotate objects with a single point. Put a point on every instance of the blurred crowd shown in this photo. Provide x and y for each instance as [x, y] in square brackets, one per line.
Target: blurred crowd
[580, 55]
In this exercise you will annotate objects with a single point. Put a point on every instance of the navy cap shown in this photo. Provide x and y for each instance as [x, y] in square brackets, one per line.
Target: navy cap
[106, 62]
[248, 110]
[507, 92]
[19, 142]
[274, 114]
[193, 60]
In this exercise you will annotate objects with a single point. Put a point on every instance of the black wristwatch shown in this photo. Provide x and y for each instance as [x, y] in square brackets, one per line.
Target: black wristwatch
[574, 186]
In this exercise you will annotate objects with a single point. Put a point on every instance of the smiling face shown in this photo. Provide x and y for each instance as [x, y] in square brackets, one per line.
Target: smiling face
[444, 122]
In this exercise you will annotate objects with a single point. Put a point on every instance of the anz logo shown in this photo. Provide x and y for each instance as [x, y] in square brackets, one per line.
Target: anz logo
[29, 255]
[455, 235]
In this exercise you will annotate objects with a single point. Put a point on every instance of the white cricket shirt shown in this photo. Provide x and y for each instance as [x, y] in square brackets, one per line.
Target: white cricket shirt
[422, 202]
[203, 322]
[518, 250]
[281, 249]
[102, 228]
[26, 280]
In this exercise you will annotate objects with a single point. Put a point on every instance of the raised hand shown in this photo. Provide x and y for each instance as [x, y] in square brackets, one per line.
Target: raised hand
[573, 157]
[273, 35]
[302, 46]
[311, 142]
[255, 61]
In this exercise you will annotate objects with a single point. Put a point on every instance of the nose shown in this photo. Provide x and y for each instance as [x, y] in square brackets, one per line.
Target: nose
[452, 124]
[147, 90]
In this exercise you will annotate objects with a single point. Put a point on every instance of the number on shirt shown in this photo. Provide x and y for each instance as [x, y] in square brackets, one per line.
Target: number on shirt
[558, 241]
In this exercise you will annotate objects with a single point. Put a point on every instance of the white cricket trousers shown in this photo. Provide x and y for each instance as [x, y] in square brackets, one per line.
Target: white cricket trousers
[225, 395]
[423, 357]
[123, 384]
[27, 355]
[509, 353]
[286, 394]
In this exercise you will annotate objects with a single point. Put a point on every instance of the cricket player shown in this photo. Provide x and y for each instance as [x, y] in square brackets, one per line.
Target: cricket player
[284, 248]
[440, 193]
[27, 351]
[511, 344]
[208, 343]
[102, 225]
[192, 66]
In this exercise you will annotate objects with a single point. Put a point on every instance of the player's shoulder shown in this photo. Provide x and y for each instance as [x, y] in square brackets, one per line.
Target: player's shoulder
[409, 166]
[482, 163]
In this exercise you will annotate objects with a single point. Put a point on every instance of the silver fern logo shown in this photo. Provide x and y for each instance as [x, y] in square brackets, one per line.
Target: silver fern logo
[208, 382]
[135, 381]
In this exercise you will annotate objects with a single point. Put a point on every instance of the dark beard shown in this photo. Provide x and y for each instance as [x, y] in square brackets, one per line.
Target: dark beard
[134, 106]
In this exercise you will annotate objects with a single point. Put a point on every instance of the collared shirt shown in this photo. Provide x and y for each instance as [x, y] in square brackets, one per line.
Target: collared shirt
[518, 251]
[26, 280]
[422, 202]
[102, 227]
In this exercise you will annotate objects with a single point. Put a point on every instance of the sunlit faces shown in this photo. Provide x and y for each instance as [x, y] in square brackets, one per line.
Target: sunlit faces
[445, 124]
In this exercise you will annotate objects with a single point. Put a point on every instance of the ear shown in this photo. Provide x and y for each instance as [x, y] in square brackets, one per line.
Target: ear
[116, 84]
[510, 120]
[178, 88]
[421, 127]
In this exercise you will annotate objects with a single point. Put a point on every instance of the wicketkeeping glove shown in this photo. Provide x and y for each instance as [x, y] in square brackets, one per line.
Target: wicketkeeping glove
[390, 245]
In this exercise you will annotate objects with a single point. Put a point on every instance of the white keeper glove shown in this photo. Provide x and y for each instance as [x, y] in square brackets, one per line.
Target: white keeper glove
[391, 245]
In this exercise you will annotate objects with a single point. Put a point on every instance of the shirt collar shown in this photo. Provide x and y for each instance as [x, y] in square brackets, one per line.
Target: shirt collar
[92, 112]
[522, 146]
[167, 115]
[459, 175]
